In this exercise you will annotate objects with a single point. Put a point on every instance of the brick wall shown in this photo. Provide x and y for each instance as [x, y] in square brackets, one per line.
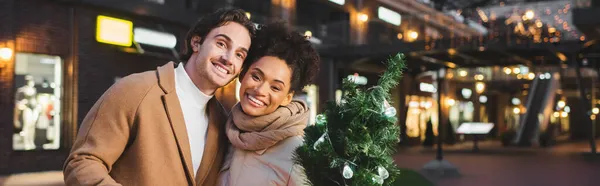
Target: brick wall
[33, 33]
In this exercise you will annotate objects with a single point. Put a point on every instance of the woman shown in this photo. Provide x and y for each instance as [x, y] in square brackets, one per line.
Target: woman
[267, 125]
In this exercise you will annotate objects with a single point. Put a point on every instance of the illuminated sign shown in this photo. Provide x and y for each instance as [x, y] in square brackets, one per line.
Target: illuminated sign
[154, 38]
[475, 128]
[114, 31]
[427, 87]
[339, 2]
[389, 16]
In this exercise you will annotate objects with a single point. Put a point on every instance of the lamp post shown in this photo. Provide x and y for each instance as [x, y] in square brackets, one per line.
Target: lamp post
[439, 166]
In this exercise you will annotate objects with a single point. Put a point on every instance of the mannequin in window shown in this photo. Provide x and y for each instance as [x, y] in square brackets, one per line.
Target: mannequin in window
[27, 111]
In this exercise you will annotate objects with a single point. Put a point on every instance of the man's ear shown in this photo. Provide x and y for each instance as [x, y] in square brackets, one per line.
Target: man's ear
[288, 99]
[195, 43]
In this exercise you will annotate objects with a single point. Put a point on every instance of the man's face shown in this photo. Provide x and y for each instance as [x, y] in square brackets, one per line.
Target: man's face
[218, 59]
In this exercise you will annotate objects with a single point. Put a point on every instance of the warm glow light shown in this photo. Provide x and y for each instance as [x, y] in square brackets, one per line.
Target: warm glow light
[451, 51]
[530, 76]
[399, 36]
[582, 38]
[507, 70]
[539, 23]
[308, 34]
[479, 87]
[462, 73]
[551, 30]
[482, 15]
[564, 114]
[363, 17]
[114, 31]
[556, 114]
[595, 110]
[516, 70]
[529, 15]
[561, 56]
[248, 15]
[516, 110]
[478, 77]
[413, 35]
[6, 53]
[561, 104]
[567, 109]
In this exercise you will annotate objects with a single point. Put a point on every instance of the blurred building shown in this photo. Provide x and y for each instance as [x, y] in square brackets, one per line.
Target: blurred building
[510, 63]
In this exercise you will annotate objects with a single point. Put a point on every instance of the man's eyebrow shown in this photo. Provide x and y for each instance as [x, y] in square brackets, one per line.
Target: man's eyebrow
[224, 36]
[229, 40]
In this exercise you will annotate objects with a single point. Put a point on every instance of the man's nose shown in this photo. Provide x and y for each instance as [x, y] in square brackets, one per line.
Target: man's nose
[226, 58]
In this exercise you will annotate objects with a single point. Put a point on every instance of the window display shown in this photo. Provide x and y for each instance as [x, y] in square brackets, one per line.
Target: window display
[38, 82]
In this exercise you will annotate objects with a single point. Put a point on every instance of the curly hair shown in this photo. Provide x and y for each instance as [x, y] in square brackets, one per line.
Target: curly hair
[214, 20]
[277, 40]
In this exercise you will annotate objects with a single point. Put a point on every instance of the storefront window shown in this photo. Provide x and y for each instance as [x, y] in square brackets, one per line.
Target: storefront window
[421, 110]
[38, 84]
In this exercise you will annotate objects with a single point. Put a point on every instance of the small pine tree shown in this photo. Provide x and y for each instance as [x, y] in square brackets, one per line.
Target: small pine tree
[450, 134]
[429, 136]
[354, 140]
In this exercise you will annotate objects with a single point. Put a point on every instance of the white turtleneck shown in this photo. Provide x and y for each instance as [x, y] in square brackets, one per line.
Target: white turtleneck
[193, 104]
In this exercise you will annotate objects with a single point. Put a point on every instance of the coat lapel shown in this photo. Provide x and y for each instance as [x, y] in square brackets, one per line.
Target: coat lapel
[166, 78]
[214, 138]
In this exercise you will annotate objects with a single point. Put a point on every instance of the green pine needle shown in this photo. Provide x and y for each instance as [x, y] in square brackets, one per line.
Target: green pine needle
[359, 134]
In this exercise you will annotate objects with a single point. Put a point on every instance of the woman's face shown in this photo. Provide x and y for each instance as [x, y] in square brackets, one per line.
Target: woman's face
[266, 86]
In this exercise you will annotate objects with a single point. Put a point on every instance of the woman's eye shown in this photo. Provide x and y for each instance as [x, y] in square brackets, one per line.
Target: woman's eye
[276, 89]
[255, 77]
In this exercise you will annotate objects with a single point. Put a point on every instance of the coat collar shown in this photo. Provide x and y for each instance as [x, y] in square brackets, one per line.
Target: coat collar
[166, 77]
[214, 134]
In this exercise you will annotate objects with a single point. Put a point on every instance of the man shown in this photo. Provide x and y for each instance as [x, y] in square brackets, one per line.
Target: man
[165, 127]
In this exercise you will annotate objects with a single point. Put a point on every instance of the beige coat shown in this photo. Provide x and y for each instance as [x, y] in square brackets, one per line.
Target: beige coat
[273, 167]
[135, 135]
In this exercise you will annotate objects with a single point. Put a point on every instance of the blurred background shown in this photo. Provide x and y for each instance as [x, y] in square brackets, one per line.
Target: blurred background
[509, 88]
